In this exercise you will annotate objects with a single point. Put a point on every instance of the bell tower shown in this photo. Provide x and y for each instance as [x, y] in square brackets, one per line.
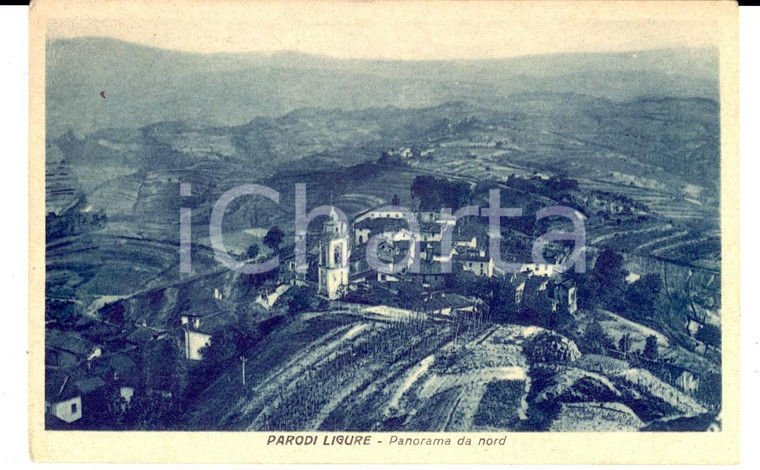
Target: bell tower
[333, 257]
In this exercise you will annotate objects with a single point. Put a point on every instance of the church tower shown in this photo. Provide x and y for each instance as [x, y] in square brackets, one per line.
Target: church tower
[333, 257]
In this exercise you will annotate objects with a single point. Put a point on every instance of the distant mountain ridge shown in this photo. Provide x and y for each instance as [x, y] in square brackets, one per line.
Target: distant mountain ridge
[144, 85]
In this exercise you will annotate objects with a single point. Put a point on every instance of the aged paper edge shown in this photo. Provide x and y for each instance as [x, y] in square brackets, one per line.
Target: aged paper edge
[521, 448]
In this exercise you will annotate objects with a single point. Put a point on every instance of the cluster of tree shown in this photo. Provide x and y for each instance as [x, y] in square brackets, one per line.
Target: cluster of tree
[499, 295]
[273, 238]
[596, 341]
[62, 313]
[552, 187]
[72, 222]
[228, 343]
[302, 298]
[605, 287]
[643, 301]
[114, 312]
[623, 200]
[625, 346]
[391, 160]
[435, 194]
[710, 335]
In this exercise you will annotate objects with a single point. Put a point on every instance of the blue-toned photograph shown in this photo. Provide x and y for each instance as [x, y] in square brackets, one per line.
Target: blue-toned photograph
[273, 239]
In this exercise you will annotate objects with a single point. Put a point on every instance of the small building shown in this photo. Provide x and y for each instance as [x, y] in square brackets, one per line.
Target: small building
[198, 328]
[67, 349]
[66, 396]
[476, 262]
[564, 293]
[361, 235]
[124, 375]
[538, 269]
[62, 399]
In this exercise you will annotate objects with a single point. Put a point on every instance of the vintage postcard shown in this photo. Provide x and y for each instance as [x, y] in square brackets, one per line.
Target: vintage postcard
[384, 232]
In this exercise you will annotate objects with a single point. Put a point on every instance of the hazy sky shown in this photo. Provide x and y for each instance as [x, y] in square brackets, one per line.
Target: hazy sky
[398, 30]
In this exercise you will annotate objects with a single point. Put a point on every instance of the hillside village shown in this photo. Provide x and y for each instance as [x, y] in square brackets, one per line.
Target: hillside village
[109, 370]
[393, 320]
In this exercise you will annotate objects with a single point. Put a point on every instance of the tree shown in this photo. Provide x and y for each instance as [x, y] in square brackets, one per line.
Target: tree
[114, 313]
[164, 366]
[595, 339]
[535, 307]
[396, 201]
[300, 300]
[274, 237]
[624, 345]
[229, 342]
[710, 335]
[454, 195]
[253, 251]
[502, 307]
[425, 188]
[644, 296]
[60, 311]
[222, 346]
[650, 347]
[609, 267]
[607, 283]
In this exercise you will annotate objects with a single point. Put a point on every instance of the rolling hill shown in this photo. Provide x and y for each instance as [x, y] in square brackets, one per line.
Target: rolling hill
[145, 85]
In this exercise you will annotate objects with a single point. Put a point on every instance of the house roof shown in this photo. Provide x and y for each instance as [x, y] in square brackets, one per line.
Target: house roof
[102, 331]
[141, 335]
[121, 364]
[214, 322]
[68, 341]
[55, 385]
[518, 278]
[60, 386]
[381, 224]
[89, 384]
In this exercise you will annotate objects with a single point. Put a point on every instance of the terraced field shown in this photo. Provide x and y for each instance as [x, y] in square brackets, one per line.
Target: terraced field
[346, 371]
[88, 267]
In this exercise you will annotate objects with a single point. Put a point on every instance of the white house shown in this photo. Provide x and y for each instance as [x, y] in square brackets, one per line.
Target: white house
[194, 342]
[198, 330]
[62, 400]
[63, 394]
